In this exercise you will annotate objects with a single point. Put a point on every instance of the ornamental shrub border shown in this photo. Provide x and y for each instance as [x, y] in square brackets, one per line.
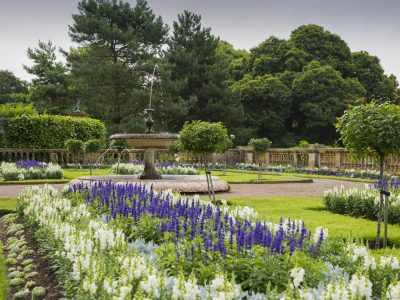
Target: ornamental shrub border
[361, 203]
[348, 173]
[28, 170]
[95, 259]
[162, 168]
[51, 132]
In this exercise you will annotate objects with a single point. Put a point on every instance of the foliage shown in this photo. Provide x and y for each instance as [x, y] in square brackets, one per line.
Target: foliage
[10, 110]
[200, 137]
[370, 74]
[92, 146]
[362, 203]
[10, 85]
[50, 132]
[321, 95]
[120, 44]
[260, 145]
[75, 147]
[372, 129]
[195, 77]
[159, 248]
[131, 169]
[304, 144]
[3, 277]
[49, 90]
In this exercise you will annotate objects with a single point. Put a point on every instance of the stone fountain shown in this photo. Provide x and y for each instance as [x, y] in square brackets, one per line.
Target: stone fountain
[150, 141]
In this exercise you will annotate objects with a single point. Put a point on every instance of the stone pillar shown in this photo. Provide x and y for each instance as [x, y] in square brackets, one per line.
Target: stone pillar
[53, 157]
[313, 159]
[267, 159]
[249, 157]
[338, 159]
[294, 158]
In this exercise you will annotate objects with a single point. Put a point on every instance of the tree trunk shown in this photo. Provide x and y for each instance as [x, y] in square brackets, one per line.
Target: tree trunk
[378, 231]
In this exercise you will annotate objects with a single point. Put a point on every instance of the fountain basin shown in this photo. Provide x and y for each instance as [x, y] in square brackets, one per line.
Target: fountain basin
[176, 183]
[146, 140]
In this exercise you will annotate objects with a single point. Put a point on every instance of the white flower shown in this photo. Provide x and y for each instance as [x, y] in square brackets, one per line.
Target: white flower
[298, 276]
[360, 286]
[320, 232]
[393, 291]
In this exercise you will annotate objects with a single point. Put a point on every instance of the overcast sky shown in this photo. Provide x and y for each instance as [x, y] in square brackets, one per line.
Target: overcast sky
[371, 25]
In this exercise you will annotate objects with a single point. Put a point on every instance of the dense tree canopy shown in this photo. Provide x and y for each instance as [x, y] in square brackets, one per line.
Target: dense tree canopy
[287, 89]
[11, 86]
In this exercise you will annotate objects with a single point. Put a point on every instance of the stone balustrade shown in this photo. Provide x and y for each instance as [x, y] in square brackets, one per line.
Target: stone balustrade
[334, 158]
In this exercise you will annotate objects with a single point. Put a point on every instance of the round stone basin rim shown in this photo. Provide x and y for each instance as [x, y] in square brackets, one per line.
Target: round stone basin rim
[161, 135]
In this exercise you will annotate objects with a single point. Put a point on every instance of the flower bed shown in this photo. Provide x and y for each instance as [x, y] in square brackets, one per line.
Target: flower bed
[162, 168]
[363, 174]
[27, 169]
[129, 242]
[362, 203]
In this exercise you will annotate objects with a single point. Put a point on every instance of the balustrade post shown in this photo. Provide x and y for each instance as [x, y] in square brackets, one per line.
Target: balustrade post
[313, 159]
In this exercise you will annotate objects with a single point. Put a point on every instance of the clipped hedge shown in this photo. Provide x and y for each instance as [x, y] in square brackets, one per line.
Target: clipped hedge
[51, 132]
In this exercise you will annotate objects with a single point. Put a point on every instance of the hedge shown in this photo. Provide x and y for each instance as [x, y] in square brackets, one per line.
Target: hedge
[51, 132]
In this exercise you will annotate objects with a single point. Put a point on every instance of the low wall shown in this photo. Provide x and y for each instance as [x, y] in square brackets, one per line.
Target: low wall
[336, 158]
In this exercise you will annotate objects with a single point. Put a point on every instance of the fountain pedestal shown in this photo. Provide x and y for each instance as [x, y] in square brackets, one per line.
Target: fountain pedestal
[150, 171]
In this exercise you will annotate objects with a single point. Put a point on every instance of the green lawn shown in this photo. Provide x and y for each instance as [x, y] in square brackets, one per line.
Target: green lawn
[310, 210]
[3, 276]
[75, 173]
[301, 175]
[7, 205]
[252, 177]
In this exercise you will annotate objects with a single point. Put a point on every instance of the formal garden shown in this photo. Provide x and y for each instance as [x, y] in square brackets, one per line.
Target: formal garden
[188, 169]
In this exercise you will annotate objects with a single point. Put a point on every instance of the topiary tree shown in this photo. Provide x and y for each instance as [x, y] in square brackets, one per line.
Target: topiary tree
[203, 138]
[75, 147]
[92, 146]
[373, 129]
[260, 146]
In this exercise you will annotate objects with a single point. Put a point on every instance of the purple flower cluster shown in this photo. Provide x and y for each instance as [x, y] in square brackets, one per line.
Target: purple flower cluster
[392, 183]
[26, 164]
[190, 221]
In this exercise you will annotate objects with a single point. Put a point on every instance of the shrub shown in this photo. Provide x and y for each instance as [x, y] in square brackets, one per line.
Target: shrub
[92, 146]
[51, 132]
[8, 110]
[75, 147]
[260, 145]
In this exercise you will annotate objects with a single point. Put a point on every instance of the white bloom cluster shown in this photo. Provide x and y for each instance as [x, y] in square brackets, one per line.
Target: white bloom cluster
[298, 276]
[11, 172]
[320, 234]
[132, 169]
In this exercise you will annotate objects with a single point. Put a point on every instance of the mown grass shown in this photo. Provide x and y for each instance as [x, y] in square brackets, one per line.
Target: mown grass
[3, 276]
[311, 211]
[75, 173]
[7, 205]
[302, 175]
[34, 181]
[252, 177]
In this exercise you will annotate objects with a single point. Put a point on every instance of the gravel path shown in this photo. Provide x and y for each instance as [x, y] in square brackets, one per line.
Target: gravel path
[316, 188]
[13, 190]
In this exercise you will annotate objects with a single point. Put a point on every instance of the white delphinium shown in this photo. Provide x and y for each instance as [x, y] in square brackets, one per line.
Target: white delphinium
[360, 286]
[369, 263]
[188, 290]
[90, 287]
[390, 261]
[336, 291]
[393, 291]
[151, 285]
[317, 234]
[298, 276]
[223, 289]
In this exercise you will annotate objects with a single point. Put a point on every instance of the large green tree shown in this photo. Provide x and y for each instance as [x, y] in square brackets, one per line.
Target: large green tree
[321, 95]
[11, 86]
[369, 72]
[119, 45]
[199, 75]
[49, 90]
[267, 101]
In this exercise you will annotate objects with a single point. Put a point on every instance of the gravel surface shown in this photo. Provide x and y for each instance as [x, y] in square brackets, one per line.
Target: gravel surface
[316, 188]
